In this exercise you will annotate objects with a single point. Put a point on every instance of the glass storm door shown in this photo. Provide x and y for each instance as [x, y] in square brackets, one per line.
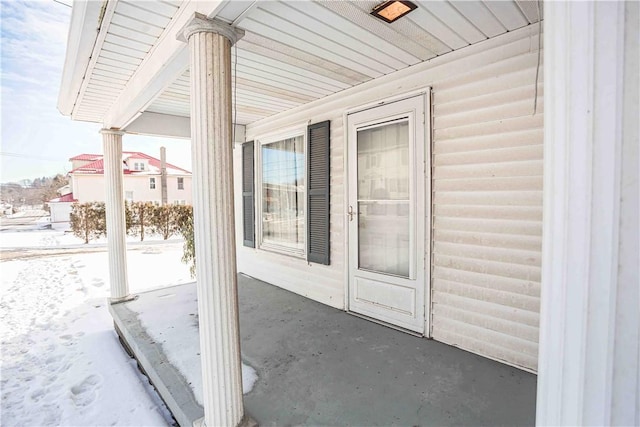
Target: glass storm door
[386, 213]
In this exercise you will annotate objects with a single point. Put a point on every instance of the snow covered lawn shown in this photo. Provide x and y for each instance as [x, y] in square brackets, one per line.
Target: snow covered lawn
[62, 363]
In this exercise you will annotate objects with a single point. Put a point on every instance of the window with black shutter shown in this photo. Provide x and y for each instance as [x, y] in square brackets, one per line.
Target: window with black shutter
[280, 208]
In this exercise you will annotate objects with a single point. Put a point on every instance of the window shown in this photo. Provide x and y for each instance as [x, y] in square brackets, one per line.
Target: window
[282, 187]
[128, 196]
[138, 166]
[180, 183]
[152, 183]
[285, 201]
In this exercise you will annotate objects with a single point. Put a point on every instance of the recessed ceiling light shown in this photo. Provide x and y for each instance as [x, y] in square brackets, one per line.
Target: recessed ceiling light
[392, 10]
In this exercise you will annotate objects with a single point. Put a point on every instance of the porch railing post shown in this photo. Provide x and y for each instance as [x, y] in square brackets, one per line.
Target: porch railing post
[114, 203]
[210, 44]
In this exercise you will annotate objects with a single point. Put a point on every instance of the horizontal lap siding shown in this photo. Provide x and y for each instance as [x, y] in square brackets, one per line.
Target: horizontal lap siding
[486, 201]
[487, 210]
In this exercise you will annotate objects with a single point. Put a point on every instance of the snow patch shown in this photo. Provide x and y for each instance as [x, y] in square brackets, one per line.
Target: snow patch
[171, 319]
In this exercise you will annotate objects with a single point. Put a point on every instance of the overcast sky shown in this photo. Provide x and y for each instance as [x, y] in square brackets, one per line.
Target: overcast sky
[36, 139]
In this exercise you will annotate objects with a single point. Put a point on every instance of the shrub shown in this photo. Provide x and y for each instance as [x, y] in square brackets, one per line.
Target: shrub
[141, 214]
[164, 220]
[184, 223]
[88, 220]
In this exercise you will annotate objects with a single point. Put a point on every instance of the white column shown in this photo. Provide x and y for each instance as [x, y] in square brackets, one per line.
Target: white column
[589, 364]
[210, 44]
[116, 227]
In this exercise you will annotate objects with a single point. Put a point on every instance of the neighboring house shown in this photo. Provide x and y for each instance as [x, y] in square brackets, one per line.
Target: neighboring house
[399, 171]
[142, 179]
[142, 182]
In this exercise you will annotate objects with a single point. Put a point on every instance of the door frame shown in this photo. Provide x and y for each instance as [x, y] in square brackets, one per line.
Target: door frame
[426, 93]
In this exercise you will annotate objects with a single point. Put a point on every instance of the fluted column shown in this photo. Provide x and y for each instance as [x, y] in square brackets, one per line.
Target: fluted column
[210, 44]
[589, 364]
[116, 227]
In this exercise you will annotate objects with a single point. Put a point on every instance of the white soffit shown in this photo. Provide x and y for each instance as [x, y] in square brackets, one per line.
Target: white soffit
[130, 29]
[295, 52]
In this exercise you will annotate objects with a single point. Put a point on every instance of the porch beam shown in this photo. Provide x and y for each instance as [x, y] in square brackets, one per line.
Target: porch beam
[589, 362]
[210, 44]
[116, 227]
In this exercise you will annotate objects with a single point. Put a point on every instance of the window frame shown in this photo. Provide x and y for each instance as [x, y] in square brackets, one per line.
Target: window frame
[294, 132]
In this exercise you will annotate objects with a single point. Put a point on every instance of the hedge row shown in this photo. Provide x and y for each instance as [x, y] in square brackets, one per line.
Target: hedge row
[88, 222]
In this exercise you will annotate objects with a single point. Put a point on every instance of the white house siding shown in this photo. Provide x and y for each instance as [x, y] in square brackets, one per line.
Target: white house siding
[60, 214]
[487, 210]
[173, 194]
[486, 195]
[90, 188]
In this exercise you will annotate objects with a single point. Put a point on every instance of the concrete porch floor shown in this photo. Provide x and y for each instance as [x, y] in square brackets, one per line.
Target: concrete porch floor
[320, 366]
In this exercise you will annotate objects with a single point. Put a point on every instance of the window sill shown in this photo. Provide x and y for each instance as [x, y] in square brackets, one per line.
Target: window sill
[283, 250]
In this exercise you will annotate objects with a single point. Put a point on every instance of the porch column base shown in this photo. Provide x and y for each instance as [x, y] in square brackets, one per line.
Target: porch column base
[122, 299]
[246, 421]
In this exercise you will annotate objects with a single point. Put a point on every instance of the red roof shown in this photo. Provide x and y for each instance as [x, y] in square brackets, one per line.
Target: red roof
[65, 198]
[93, 167]
[86, 157]
[97, 164]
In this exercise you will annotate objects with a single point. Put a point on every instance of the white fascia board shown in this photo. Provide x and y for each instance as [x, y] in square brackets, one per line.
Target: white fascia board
[83, 32]
[168, 59]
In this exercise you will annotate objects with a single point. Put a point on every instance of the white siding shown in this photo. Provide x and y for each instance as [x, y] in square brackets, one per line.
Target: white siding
[90, 188]
[60, 215]
[487, 204]
[487, 196]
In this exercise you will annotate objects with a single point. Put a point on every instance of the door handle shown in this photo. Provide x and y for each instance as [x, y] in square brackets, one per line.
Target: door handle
[350, 213]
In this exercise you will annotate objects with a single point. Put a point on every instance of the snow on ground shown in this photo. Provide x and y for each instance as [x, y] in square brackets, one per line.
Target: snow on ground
[170, 317]
[35, 237]
[62, 363]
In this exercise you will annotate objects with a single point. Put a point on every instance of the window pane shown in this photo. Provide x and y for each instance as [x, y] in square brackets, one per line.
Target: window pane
[383, 171]
[383, 199]
[283, 193]
[383, 237]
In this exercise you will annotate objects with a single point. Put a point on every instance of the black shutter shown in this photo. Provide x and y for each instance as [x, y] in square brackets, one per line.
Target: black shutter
[248, 200]
[318, 193]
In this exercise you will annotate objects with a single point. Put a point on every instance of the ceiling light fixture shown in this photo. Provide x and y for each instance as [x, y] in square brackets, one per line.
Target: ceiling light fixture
[391, 11]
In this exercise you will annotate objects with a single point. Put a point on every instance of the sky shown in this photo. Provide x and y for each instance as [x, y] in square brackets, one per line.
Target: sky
[36, 139]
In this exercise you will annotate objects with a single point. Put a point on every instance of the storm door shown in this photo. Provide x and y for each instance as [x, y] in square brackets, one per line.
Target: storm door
[386, 213]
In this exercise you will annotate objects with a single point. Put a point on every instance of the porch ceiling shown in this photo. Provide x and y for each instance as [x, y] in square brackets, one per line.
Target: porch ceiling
[293, 52]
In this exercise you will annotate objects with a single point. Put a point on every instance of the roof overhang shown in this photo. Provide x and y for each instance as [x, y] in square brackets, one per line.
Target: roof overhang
[86, 18]
[126, 69]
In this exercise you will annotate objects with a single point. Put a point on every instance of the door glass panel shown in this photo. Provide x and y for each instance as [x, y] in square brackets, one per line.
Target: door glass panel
[383, 162]
[383, 199]
[383, 239]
